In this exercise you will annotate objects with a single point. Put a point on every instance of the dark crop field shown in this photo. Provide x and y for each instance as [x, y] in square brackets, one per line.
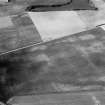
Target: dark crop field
[73, 63]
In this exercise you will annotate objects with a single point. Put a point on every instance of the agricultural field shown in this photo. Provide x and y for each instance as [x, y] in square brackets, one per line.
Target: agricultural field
[70, 64]
[52, 55]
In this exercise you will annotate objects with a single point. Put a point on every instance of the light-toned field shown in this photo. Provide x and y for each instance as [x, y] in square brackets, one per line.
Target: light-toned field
[27, 28]
[86, 98]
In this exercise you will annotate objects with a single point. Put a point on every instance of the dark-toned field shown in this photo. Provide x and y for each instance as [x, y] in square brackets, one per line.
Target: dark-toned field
[73, 63]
